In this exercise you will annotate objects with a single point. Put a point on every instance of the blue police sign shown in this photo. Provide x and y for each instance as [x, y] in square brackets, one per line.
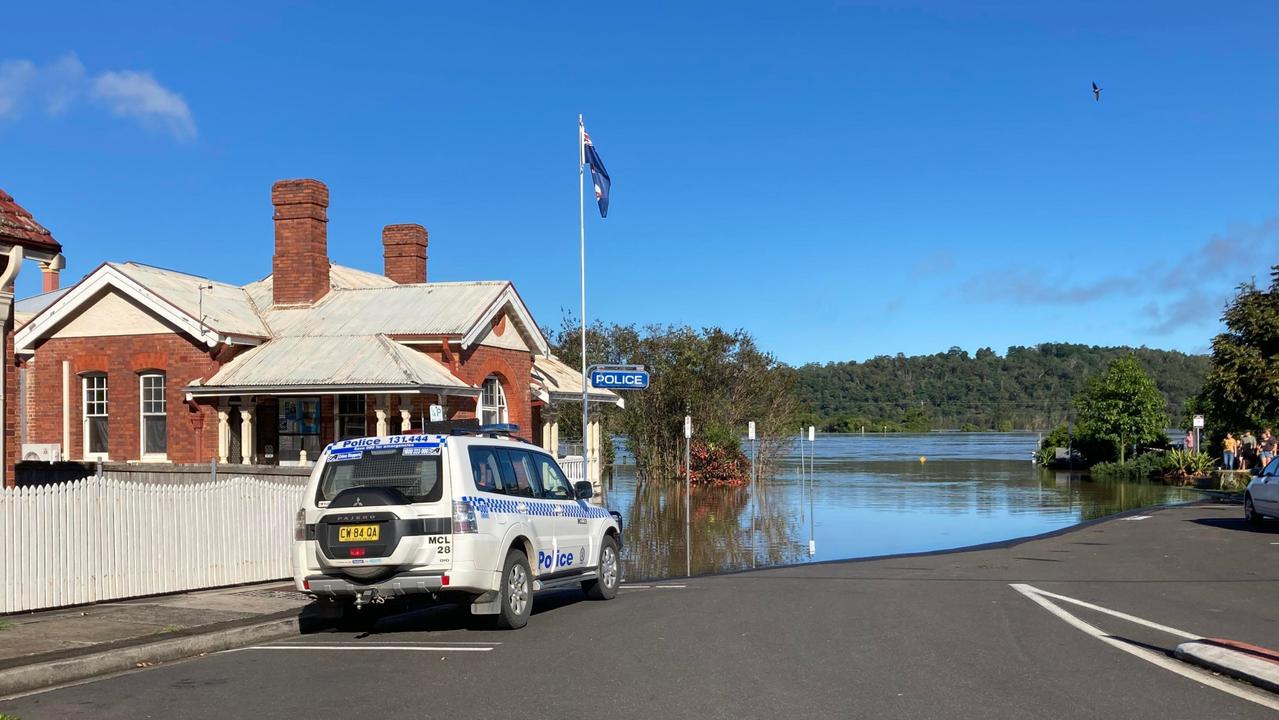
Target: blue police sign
[619, 379]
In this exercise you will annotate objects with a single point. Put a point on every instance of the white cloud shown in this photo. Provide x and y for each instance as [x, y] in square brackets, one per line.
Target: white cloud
[58, 86]
[15, 78]
[1189, 289]
[139, 95]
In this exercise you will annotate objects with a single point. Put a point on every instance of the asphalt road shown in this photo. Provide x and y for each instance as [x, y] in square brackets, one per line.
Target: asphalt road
[932, 636]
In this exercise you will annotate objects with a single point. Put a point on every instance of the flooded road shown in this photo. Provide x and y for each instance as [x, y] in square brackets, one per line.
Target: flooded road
[869, 495]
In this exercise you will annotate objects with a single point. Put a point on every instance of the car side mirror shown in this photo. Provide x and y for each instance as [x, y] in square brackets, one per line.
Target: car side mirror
[583, 489]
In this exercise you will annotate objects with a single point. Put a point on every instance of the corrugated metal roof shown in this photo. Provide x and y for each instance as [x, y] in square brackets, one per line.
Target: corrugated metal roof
[340, 278]
[369, 360]
[426, 309]
[564, 382]
[227, 308]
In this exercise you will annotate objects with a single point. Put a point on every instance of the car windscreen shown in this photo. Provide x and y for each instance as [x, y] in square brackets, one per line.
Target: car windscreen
[410, 470]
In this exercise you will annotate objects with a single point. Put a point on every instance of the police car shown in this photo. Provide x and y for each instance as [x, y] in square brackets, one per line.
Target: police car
[474, 516]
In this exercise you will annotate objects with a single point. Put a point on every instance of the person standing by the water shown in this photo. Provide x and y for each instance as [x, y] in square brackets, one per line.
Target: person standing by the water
[1248, 445]
[1189, 442]
[1229, 447]
[1266, 447]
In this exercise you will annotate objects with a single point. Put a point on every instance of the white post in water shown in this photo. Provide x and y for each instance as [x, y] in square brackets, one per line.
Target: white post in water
[812, 451]
[750, 434]
[803, 475]
[688, 494]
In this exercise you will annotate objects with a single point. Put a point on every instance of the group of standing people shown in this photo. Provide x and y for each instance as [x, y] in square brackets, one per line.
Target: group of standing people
[1248, 451]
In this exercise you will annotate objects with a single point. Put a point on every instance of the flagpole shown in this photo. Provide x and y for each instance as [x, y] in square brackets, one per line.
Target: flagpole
[581, 215]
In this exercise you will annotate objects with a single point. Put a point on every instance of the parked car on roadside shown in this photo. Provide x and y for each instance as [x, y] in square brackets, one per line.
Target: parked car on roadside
[475, 517]
[1261, 497]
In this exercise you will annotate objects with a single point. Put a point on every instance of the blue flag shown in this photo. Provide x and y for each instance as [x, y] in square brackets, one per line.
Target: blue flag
[599, 175]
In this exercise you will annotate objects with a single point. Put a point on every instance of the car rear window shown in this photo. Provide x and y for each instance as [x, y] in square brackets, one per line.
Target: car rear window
[407, 469]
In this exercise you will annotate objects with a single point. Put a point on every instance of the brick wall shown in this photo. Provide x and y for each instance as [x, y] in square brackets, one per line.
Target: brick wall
[192, 429]
[404, 253]
[514, 368]
[300, 265]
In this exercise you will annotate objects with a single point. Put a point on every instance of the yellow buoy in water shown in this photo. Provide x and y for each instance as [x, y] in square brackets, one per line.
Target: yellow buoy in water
[922, 459]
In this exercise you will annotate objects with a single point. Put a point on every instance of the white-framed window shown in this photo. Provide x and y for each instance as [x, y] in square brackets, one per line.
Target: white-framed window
[351, 417]
[155, 424]
[492, 402]
[95, 416]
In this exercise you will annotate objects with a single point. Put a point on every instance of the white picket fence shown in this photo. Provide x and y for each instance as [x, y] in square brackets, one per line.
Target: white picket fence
[101, 538]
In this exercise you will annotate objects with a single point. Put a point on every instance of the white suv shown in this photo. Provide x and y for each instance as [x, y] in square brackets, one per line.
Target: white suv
[474, 516]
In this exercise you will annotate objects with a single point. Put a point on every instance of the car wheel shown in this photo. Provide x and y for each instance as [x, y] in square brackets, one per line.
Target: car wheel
[1250, 512]
[517, 592]
[609, 570]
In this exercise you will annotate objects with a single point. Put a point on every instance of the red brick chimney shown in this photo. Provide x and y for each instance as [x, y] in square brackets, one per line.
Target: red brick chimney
[404, 253]
[50, 277]
[300, 267]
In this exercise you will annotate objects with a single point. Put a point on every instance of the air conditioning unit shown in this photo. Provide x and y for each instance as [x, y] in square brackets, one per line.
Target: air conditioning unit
[42, 452]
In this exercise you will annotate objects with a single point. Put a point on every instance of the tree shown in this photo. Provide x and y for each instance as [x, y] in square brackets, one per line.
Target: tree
[1123, 407]
[721, 378]
[1242, 387]
[1029, 387]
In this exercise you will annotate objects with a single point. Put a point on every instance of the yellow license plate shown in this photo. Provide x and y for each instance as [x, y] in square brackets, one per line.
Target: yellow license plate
[358, 533]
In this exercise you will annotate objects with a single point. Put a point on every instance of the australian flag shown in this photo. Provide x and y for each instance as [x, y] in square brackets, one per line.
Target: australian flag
[599, 175]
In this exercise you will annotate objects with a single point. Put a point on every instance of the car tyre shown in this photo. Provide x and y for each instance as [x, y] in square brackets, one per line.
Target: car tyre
[1250, 511]
[516, 592]
[609, 570]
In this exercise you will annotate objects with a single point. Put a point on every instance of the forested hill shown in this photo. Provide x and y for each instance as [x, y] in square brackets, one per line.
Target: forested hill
[1028, 388]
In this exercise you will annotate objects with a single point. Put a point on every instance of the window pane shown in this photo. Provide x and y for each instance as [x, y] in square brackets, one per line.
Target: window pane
[97, 434]
[554, 484]
[485, 469]
[518, 474]
[155, 428]
[417, 476]
[350, 426]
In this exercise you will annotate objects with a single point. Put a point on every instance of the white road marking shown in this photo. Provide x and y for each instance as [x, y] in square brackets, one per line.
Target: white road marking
[1116, 613]
[636, 587]
[414, 648]
[1138, 517]
[1040, 597]
[672, 587]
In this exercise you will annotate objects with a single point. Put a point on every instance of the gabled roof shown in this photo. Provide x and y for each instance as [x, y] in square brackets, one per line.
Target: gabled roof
[311, 363]
[175, 297]
[359, 308]
[340, 278]
[458, 309]
[225, 307]
[558, 381]
[18, 227]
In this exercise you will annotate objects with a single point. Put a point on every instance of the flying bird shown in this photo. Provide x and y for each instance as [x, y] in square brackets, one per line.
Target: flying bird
[1096, 92]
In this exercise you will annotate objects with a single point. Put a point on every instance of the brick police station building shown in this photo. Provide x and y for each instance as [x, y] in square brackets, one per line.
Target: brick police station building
[141, 364]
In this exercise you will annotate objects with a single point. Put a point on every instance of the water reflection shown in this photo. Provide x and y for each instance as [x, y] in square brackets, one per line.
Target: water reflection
[722, 520]
[866, 499]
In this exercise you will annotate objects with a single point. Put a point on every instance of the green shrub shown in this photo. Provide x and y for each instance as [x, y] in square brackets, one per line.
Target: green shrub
[1189, 463]
[1142, 467]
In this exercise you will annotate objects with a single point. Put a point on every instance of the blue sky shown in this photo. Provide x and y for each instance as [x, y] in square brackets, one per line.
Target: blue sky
[842, 179]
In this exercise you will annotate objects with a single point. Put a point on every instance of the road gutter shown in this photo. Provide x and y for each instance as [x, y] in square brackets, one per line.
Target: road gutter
[38, 672]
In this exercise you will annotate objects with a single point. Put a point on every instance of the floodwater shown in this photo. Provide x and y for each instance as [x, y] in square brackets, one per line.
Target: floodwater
[868, 495]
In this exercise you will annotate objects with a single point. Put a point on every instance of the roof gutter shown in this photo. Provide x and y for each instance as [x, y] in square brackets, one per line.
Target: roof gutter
[319, 389]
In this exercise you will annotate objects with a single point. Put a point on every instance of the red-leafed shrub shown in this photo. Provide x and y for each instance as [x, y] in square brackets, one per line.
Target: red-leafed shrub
[717, 464]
